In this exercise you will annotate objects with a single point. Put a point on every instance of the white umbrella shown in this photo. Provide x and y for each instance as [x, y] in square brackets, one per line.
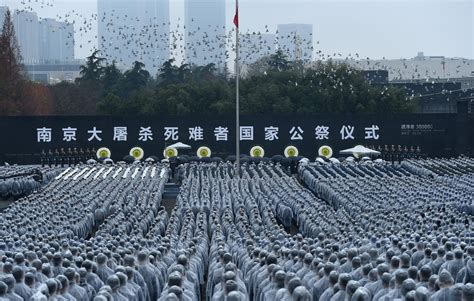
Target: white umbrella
[180, 145]
[359, 151]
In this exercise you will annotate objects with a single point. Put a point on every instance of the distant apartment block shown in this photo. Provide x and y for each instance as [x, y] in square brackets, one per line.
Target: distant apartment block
[53, 72]
[296, 41]
[137, 30]
[56, 40]
[420, 67]
[205, 33]
[3, 11]
[28, 34]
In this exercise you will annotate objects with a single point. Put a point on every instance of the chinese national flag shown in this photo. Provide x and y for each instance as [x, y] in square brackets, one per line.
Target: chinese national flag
[236, 17]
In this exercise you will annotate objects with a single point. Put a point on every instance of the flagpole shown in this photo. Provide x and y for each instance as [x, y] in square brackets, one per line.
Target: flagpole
[237, 96]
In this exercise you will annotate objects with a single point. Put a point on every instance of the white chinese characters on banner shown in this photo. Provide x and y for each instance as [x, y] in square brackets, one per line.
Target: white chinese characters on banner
[246, 133]
[296, 133]
[321, 132]
[196, 133]
[69, 134]
[94, 134]
[347, 132]
[171, 133]
[44, 134]
[145, 134]
[120, 133]
[221, 133]
[372, 132]
[271, 133]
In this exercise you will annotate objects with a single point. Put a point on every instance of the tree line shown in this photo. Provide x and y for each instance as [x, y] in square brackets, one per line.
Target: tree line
[272, 85]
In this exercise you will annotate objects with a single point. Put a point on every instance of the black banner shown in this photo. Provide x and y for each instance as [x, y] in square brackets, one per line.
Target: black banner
[435, 134]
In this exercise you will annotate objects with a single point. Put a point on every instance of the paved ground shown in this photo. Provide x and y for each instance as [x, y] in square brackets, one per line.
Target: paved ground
[4, 203]
[169, 204]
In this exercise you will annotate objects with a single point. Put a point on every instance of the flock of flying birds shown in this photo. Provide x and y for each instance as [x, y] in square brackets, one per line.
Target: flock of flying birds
[129, 38]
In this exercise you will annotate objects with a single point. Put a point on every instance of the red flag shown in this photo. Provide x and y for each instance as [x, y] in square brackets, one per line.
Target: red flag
[236, 17]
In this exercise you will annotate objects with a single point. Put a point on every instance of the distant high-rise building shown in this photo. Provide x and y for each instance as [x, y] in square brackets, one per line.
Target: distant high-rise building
[3, 11]
[27, 32]
[135, 30]
[205, 34]
[254, 46]
[56, 40]
[296, 41]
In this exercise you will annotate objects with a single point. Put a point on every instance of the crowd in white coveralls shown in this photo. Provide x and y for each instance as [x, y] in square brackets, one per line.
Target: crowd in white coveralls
[335, 231]
[20, 180]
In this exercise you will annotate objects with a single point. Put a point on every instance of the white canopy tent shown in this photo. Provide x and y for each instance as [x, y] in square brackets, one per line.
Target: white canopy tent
[180, 145]
[359, 151]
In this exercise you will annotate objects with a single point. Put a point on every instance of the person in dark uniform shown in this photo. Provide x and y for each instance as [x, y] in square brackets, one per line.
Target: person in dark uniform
[173, 161]
[399, 153]
[371, 155]
[43, 158]
[62, 156]
[386, 153]
[49, 157]
[75, 155]
[69, 158]
[82, 155]
[380, 150]
[56, 157]
[411, 153]
[393, 154]
[403, 153]
[87, 154]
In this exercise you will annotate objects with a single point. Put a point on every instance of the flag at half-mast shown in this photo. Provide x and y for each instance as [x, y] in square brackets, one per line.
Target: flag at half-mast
[236, 17]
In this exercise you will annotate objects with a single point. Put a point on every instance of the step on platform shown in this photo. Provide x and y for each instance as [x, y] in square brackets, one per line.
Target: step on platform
[171, 191]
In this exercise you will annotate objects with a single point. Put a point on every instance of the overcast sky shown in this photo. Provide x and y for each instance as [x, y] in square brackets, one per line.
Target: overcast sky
[375, 29]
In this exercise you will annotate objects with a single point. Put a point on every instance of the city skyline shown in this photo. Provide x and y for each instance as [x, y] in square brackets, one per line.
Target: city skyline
[45, 40]
[368, 28]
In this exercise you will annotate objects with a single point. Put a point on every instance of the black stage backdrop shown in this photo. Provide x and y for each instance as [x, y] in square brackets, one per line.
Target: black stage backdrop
[23, 138]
